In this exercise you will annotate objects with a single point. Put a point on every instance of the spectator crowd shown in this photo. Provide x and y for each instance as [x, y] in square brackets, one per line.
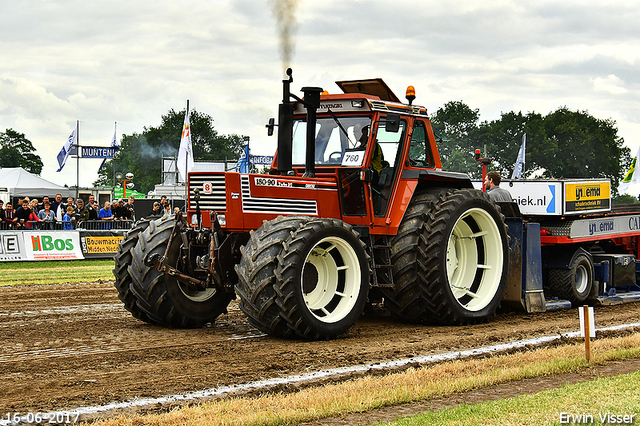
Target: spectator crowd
[69, 214]
[57, 214]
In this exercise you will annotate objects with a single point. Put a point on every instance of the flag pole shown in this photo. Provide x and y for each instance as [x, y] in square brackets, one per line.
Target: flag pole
[113, 164]
[524, 152]
[77, 159]
[186, 164]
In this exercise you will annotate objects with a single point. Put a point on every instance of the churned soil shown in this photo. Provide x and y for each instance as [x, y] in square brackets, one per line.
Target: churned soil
[74, 345]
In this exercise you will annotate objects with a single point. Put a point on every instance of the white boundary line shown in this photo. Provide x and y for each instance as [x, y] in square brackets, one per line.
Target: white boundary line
[298, 378]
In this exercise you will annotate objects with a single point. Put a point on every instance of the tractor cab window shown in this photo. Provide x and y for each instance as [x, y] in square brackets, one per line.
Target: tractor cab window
[389, 143]
[420, 154]
[333, 138]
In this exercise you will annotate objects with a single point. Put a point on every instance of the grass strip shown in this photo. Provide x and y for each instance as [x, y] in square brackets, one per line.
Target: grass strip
[56, 272]
[366, 393]
[601, 401]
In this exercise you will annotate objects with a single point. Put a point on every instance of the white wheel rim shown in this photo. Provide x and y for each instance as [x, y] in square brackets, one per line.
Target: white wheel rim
[331, 279]
[474, 259]
[582, 279]
[197, 295]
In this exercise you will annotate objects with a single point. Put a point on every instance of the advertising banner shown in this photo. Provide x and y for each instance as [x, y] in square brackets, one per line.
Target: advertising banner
[605, 226]
[539, 198]
[534, 197]
[99, 244]
[587, 196]
[12, 247]
[558, 197]
[52, 245]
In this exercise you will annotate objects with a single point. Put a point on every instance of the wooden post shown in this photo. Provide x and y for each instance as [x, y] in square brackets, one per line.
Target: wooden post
[587, 334]
[587, 328]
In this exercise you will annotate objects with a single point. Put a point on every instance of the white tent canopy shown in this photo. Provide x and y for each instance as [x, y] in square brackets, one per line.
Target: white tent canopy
[21, 183]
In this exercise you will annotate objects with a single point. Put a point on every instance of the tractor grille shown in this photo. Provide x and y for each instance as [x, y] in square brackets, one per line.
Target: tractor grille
[216, 200]
[274, 205]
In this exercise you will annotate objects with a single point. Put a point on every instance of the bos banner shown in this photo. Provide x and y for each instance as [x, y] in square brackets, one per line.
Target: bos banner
[52, 245]
[58, 245]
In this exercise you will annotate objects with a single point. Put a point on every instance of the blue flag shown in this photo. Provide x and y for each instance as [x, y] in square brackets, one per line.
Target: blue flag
[243, 162]
[69, 148]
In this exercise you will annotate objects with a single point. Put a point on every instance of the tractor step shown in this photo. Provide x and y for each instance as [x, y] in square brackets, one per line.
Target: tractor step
[381, 258]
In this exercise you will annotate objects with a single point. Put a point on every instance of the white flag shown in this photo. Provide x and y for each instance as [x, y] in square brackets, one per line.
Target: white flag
[632, 176]
[114, 144]
[185, 152]
[69, 148]
[519, 166]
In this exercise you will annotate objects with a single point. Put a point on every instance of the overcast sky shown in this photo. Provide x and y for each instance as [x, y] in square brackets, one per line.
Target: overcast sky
[132, 61]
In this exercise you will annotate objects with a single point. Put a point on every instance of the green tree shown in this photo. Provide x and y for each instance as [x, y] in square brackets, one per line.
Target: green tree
[18, 151]
[503, 139]
[141, 153]
[585, 147]
[562, 144]
[459, 124]
[624, 199]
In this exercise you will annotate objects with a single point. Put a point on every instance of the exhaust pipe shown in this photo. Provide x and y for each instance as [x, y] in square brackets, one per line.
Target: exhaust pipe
[311, 102]
[285, 127]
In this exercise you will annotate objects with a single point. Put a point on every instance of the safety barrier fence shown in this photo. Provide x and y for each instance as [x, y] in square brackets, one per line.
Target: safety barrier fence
[66, 225]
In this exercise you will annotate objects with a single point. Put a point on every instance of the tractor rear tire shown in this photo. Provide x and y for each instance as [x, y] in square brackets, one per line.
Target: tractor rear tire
[466, 257]
[406, 300]
[573, 284]
[163, 298]
[322, 278]
[123, 259]
[256, 273]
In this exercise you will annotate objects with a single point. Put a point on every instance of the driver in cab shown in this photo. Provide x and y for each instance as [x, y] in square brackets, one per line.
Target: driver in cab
[378, 157]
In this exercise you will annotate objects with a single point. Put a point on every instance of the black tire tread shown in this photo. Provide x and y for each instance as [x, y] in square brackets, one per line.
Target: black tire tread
[256, 272]
[406, 301]
[561, 282]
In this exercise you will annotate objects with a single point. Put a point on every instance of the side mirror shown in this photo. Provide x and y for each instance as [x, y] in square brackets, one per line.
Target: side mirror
[393, 123]
[270, 126]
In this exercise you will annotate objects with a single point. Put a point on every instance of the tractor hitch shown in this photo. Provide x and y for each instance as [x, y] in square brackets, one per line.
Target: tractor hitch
[159, 261]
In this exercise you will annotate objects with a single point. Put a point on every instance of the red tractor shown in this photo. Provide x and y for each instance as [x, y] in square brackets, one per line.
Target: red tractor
[355, 209]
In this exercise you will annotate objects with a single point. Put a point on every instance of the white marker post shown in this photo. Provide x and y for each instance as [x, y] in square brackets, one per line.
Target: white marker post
[587, 329]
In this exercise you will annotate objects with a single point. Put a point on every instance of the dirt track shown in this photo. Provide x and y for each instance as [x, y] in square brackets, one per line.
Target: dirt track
[66, 346]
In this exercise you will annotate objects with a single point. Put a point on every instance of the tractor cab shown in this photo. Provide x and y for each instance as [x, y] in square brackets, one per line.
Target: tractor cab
[373, 145]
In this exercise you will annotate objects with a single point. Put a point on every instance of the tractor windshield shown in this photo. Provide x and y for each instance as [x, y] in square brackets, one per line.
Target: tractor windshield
[333, 137]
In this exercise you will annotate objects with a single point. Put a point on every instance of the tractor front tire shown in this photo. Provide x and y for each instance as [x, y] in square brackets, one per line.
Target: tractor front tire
[322, 278]
[303, 277]
[466, 256]
[123, 259]
[164, 299]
